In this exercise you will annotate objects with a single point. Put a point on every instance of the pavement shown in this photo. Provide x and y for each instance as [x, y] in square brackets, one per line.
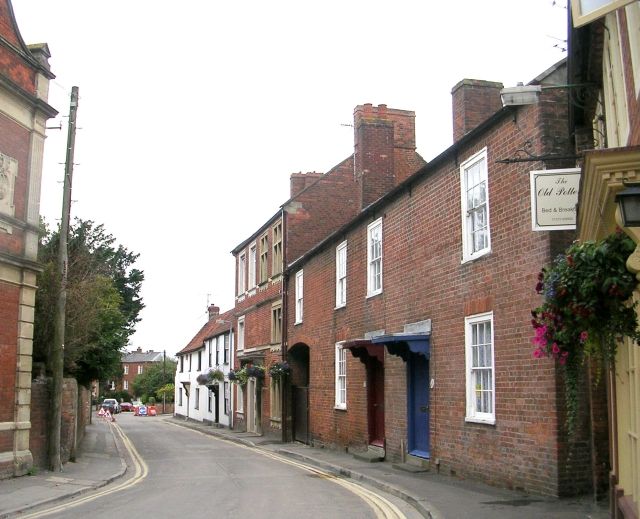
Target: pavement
[101, 461]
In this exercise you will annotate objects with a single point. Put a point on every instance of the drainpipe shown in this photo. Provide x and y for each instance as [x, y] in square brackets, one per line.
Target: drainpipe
[285, 321]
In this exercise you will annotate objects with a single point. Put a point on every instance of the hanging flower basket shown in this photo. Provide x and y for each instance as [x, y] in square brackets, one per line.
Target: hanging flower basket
[214, 376]
[256, 372]
[279, 370]
[586, 310]
[239, 376]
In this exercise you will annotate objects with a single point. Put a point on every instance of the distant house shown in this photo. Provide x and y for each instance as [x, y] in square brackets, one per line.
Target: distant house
[202, 385]
[24, 111]
[133, 364]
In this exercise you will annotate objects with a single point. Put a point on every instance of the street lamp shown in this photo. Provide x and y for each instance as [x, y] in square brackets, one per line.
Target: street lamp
[628, 201]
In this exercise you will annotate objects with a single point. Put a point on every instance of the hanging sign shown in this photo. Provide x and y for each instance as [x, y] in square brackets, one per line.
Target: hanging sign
[554, 196]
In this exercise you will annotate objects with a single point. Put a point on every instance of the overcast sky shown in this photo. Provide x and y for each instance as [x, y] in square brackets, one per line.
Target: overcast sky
[193, 114]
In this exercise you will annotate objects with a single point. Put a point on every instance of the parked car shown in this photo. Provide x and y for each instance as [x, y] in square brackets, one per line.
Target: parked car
[111, 405]
[126, 406]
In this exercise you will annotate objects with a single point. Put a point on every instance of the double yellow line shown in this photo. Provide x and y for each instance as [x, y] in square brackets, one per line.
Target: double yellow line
[140, 472]
[382, 507]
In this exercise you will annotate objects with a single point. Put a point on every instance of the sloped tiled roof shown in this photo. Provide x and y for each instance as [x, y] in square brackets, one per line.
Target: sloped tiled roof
[215, 326]
[142, 356]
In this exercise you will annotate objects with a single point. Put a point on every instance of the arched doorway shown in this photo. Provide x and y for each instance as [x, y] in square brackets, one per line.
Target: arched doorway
[298, 358]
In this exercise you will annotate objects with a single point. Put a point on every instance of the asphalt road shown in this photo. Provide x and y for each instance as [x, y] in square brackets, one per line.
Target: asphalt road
[177, 472]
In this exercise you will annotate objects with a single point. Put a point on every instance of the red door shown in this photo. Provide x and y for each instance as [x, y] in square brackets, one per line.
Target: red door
[375, 401]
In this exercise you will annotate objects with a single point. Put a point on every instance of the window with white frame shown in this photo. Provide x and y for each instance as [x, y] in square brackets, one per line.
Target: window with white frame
[180, 396]
[480, 373]
[209, 342]
[226, 339]
[474, 195]
[181, 363]
[252, 265]
[374, 258]
[341, 275]
[242, 268]
[241, 333]
[125, 385]
[219, 346]
[199, 360]
[227, 407]
[210, 401]
[126, 369]
[299, 296]
[276, 256]
[264, 254]
[341, 377]
[139, 369]
[196, 401]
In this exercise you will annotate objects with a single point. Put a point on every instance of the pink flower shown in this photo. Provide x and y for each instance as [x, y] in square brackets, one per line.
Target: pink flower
[537, 353]
[555, 348]
[584, 336]
[540, 339]
[562, 360]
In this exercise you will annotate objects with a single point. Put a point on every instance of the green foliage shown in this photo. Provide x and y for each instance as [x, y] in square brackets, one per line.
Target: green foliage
[239, 376]
[166, 392]
[102, 306]
[587, 309]
[154, 377]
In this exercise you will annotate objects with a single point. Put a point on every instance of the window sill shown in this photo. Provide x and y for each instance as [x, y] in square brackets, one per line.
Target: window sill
[485, 421]
[340, 408]
[477, 255]
[373, 294]
[297, 323]
[340, 306]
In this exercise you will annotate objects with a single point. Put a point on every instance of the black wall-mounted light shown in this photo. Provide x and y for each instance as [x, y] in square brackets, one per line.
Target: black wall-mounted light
[628, 201]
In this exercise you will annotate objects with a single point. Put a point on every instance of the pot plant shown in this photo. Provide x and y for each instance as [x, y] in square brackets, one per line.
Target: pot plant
[239, 376]
[256, 372]
[586, 310]
[279, 370]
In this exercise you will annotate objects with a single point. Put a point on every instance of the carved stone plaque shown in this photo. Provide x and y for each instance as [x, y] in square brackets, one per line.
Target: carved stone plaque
[8, 174]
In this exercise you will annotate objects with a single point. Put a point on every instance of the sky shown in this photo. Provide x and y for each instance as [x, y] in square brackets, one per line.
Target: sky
[193, 114]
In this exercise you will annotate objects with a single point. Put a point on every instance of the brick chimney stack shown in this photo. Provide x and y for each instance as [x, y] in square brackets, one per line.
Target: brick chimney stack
[381, 135]
[301, 181]
[474, 101]
[139, 350]
[214, 312]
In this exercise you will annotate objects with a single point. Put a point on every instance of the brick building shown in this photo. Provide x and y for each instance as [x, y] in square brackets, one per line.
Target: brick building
[412, 339]
[133, 364]
[319, 205]
[24, 85]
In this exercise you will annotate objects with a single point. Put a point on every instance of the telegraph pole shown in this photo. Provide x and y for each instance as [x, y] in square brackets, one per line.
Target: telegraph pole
[57, 349]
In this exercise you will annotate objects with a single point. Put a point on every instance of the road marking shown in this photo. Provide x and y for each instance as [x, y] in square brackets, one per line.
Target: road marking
[382, 507]
[141, 471]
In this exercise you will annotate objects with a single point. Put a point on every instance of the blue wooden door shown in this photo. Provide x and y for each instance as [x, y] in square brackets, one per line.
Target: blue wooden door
[418, 393]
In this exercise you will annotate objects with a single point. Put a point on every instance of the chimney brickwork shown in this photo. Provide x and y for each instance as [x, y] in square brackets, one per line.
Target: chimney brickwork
[474, 101]
[382, 137]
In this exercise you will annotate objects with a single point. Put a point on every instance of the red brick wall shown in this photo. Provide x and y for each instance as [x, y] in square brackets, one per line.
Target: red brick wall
[75, 416]
[9, 306]
[423, 278]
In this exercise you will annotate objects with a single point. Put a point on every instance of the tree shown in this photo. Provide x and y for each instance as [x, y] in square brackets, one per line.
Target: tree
[103, 301]
[154, 377]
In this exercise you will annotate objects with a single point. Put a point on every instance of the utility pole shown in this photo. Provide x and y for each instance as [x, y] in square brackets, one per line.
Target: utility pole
[57, 349]
[164, 379]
